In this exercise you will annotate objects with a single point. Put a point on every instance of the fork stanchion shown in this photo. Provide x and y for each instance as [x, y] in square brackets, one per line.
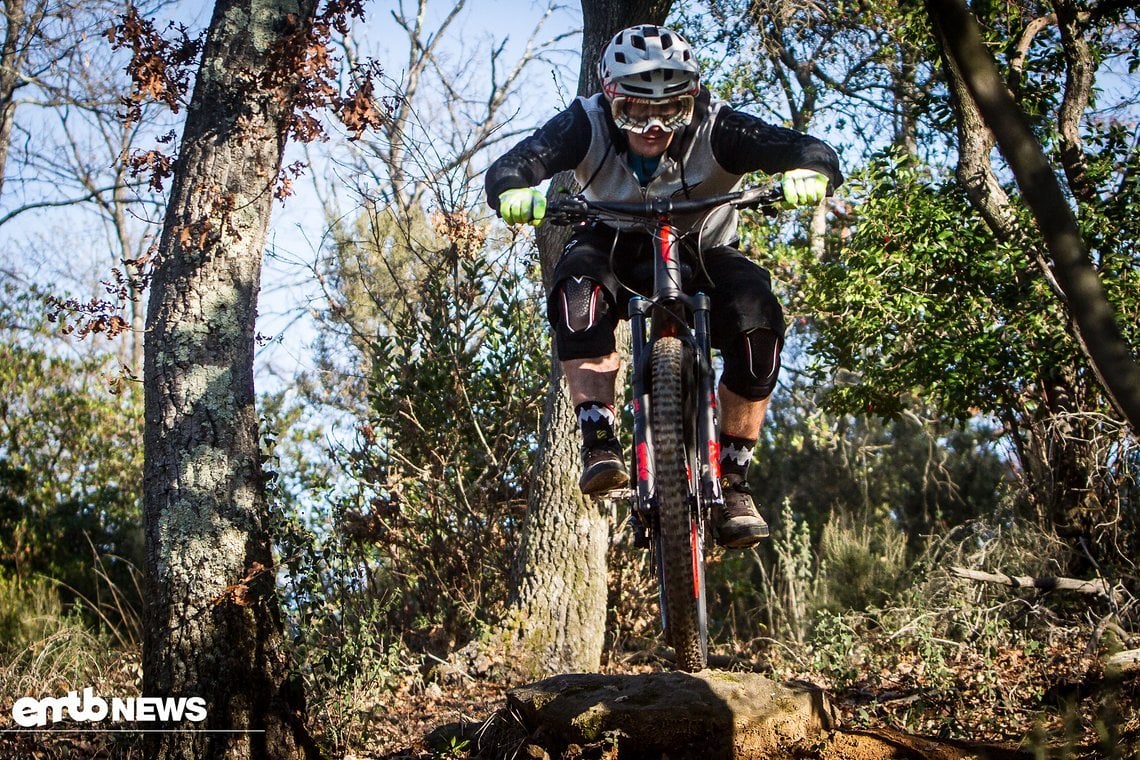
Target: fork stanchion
[642, 441]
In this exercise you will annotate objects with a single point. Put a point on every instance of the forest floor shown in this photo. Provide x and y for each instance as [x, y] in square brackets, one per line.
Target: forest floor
[458, 720]
[1055, 704]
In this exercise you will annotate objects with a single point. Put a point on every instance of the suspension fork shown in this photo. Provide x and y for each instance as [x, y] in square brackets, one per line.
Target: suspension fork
[646, 327]
[666, 288]
[708, 436]
[642, 431]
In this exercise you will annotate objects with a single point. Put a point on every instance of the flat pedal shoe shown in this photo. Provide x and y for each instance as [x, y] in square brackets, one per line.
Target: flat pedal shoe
[602, 470]
[738, 524]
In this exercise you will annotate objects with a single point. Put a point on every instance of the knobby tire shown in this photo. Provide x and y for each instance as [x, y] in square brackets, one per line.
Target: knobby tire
[679, 545]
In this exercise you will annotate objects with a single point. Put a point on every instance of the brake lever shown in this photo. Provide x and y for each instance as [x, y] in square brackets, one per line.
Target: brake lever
[768, 200]
[569, 210]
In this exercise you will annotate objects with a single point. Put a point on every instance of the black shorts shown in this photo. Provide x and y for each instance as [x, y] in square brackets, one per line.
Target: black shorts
[622, 263]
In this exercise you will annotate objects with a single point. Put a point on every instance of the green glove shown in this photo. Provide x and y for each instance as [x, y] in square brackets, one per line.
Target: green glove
[522, 205]
[804, 187]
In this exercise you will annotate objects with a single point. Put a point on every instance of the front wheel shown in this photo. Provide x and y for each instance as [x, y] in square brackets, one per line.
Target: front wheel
[680, 534]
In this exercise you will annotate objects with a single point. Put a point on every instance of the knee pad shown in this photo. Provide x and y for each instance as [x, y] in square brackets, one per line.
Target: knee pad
[582, 304]
[583, 319]
[752, 364]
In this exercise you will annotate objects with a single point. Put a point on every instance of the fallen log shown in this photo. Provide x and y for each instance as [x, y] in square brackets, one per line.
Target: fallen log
[1122, 663]
[1099, 586]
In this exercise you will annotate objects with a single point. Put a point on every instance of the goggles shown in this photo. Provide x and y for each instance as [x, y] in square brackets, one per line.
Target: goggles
[641, 114]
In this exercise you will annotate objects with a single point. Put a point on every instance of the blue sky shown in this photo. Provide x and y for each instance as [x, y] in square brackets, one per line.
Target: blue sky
[297, 226]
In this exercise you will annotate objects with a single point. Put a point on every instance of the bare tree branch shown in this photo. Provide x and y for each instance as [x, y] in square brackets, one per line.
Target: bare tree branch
[1099, 587]
[93, 194]
[1079, 72]
[1021, 49]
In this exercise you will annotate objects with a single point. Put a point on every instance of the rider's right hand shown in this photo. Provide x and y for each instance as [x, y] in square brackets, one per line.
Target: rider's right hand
[804, 187]
[522, 205]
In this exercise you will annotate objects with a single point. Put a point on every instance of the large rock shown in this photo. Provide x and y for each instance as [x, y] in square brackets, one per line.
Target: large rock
[711, 714]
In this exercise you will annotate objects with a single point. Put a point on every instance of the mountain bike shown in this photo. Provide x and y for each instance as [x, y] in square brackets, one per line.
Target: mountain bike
[676, 451]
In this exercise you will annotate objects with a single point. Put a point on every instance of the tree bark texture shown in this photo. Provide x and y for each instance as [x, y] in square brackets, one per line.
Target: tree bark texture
[213, 627]
[1110, 355]
[556, 620]
[1079, 73]
[558, 610]
[601, 20]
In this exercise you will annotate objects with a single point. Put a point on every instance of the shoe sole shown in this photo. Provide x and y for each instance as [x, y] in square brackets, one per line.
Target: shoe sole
[608, 480]
[745, 541]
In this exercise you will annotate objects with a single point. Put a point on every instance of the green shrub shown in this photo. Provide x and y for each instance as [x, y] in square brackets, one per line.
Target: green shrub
[46, 649]
[863, 564]
[945, 656]
[30, 611]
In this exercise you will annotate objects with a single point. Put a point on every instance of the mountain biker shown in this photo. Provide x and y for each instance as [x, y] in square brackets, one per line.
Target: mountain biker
[655, 131]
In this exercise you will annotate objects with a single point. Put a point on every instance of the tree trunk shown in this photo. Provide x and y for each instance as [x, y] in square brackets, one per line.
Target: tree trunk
[10, 55]
[906, 95]
[601, 20]
[1109, 354]
[1056, 461]
[213, 626]
[1079, 70]
[556, 620]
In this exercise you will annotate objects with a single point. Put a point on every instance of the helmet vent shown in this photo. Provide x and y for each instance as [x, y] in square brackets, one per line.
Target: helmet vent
[658, 60]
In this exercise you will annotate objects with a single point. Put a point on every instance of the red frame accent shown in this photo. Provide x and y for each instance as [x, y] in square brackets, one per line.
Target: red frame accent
[643, 463]
[694, 545]
[667, 239]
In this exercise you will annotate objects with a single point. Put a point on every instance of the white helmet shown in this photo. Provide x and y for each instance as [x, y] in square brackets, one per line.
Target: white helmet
[649, 62]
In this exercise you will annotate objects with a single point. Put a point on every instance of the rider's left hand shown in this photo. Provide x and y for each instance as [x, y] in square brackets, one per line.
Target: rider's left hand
[804, 187]
[522, 205]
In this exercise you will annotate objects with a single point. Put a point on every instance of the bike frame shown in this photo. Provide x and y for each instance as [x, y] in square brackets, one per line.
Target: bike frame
[690, 440]
[666, 314]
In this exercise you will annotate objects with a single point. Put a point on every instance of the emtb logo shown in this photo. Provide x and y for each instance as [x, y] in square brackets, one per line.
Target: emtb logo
[30, 712]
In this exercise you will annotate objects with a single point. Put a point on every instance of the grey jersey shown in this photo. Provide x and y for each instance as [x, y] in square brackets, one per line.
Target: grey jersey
[707, 157]
[605, 174]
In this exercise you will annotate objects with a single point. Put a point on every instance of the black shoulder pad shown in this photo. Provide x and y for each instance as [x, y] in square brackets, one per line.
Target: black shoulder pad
[743, 143]
[557, 145]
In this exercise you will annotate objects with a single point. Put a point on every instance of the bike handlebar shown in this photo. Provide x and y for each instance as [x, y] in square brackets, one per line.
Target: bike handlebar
[574, 209]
